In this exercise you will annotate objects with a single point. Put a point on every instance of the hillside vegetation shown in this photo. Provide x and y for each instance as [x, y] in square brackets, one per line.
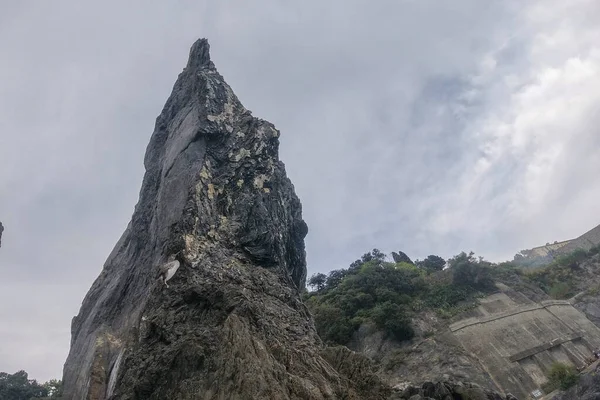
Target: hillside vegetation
[566, 275]
[387, 294]
[18, 386]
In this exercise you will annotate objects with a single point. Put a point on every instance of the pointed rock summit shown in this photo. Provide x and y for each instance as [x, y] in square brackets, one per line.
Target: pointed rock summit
[216, 202]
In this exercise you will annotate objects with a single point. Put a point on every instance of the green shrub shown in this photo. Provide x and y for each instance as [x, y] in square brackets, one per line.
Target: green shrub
[594, 250]
[392, 318]
[560, 290]
[333, 325]
[432, 263]
[556, 279]
[593, 291]
[396, 359]
[467, 271]
[572, 258]
[443, 296]
[561, 376]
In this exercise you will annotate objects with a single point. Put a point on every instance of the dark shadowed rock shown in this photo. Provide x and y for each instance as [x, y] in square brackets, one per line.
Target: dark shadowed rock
[1, 230]
[231, 324]
[587, 388]
[401, 257]
[449, 391]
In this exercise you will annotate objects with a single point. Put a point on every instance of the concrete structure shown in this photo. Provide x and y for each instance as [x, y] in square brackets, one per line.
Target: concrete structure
[586, 241]
[549, 249]
[517, 340]
[545, 254]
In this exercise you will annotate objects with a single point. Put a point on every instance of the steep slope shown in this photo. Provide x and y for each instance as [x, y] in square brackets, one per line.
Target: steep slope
[231, 323]
[586, 388]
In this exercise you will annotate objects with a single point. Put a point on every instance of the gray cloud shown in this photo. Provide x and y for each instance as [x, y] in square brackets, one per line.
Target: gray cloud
[424, 126]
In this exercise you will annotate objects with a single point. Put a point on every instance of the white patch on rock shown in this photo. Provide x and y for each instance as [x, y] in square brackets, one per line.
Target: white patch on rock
[112, 380]
[259, 181]
[402, 385]
[242, 154]
[227, 113]
[168, 270]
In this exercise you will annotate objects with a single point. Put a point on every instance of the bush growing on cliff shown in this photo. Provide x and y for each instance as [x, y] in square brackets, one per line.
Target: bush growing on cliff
[573, 258]
[560, 291]
[445, 296]
[468, 271]
[332, 324]
[557, 278]
[392, 317]
[561, 376]
[594, 250]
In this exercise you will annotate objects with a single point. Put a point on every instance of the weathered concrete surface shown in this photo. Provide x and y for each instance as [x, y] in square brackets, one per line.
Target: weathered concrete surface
[586, 241]
[545, 254]
[518, 342]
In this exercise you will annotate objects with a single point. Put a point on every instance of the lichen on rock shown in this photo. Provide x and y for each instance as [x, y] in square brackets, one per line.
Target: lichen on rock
[231, 324]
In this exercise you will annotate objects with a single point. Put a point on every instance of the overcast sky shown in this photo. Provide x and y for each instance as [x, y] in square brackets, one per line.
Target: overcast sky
[424, 126]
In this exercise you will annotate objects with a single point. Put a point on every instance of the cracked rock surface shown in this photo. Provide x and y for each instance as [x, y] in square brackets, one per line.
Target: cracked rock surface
[231, 324]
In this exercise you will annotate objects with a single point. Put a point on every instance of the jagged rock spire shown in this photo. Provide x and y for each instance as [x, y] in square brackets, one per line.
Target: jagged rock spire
[231, 323]
[200, 55]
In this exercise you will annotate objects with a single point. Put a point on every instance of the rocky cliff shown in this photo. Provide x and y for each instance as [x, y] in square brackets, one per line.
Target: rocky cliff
[586, 388]
[438, 357]
[449, 391]
[230, 324]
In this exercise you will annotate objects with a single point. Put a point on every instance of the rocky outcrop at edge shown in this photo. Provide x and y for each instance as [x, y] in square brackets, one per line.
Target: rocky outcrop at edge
[401, 257]
[587, 388]
[231, 323]
[1, 230]
[449, 391]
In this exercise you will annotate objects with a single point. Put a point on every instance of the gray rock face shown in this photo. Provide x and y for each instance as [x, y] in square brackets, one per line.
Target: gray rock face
[449, 391]
[587, 388]
[401, 257]
[231, 323]
[437, 358]
[1, 230]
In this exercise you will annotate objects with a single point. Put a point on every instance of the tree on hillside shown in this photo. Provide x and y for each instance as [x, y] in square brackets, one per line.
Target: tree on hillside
[469, 271]
[373, 256]
[335, 278]
[18, 386]
[54, 388]
[432, 263]
[375, 292]
[387, 294]
[317, 281]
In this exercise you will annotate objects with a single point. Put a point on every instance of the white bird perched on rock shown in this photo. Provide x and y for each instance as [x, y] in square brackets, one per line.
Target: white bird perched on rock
[168, 269]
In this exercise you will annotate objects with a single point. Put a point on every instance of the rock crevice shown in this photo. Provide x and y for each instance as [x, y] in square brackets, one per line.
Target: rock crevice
[231, 323]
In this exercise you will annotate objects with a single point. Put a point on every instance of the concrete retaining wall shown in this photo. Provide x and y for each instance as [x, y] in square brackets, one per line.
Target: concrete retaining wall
[518, 344]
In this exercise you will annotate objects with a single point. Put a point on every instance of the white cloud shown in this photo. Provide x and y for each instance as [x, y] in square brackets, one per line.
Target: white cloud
[537, 137]
[420, 126]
